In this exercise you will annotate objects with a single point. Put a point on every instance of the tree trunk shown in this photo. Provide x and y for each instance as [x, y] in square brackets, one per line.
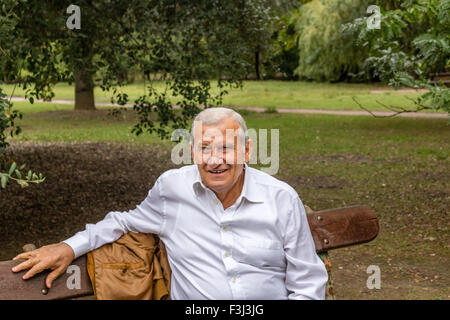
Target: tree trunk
[84, 90]
[258, 75]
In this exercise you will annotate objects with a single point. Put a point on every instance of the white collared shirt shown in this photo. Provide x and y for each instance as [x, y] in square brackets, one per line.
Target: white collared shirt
[259, 248]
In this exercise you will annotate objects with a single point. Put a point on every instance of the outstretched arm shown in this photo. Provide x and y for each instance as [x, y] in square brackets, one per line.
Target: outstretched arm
[148, 217]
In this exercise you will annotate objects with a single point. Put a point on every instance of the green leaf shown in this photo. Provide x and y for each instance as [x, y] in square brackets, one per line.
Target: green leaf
[13, 167]
[18, 174]
[4, 180]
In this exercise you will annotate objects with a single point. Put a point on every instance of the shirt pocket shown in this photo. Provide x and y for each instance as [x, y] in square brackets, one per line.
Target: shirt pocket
[261, 252]
[122, 274]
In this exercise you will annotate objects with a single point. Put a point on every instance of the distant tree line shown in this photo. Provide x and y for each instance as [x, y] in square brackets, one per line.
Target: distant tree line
[332, 40]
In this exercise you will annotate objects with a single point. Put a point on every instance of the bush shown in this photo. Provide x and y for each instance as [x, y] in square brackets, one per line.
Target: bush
[8, 167]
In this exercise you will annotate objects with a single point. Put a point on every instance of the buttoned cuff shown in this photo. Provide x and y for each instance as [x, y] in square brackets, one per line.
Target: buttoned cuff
[79, 244]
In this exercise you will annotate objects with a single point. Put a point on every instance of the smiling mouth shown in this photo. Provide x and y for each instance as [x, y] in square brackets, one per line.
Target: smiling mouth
[217, 171]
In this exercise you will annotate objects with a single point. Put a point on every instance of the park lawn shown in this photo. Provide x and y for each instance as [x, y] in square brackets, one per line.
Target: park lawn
[59, 122]
[399, 167]
[274, 94]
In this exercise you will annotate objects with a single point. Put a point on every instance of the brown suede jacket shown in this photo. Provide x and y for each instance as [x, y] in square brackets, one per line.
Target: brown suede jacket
[133, 267]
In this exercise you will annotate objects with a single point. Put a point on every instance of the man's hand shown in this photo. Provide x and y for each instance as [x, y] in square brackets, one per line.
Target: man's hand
[56, 257]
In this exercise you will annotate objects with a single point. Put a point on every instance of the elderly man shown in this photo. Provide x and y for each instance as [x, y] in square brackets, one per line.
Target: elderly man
[231, 231]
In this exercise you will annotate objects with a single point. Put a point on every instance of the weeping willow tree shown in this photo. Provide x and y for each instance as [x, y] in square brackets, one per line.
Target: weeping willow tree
[325, 52]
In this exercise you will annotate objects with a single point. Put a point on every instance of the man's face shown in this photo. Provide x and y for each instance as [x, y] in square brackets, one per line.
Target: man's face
[219, 154]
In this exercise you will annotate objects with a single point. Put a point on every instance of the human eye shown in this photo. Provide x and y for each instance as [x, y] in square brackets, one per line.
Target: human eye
[228, 148]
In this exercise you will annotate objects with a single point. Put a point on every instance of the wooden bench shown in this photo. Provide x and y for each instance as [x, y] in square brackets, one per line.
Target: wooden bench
[435, 78]
[331, 229]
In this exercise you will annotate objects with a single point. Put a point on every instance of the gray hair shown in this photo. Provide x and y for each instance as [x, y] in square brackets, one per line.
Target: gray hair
[215, 115]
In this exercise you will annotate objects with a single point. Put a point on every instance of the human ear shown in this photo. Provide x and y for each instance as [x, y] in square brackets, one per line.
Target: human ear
[248, 149]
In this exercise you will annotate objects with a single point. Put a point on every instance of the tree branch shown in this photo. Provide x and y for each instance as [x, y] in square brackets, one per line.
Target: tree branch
[395, 109]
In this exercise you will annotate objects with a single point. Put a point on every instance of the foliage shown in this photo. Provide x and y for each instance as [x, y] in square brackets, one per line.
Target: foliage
[22, 180]
[8, 117]
[326, 53]
[183, 43]
[7, 121]
[177, 42]
[284, 54]
[273, 42]
[8, 168]
[412, 42]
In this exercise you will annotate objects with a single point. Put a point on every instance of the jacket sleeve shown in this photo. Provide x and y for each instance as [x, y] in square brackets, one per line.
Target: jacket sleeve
[306, 275]
[147, 217]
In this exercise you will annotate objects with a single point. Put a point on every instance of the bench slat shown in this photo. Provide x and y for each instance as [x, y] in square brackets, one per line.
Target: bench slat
[12, 287]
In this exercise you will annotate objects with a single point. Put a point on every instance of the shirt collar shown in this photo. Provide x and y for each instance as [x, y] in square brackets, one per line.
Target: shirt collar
[250, 191]
[197, 185]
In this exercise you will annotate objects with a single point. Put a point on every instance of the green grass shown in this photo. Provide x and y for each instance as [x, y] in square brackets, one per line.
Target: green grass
[311, 95]
[316, 134]
[58, 122]
[274, 94]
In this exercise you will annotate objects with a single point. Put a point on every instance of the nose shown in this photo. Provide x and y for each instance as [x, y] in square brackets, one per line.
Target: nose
[215, 158]
[214, 161]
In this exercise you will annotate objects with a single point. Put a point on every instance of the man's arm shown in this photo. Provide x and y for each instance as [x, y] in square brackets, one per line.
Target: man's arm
[148, 217]
[306, 275]
[145, 218]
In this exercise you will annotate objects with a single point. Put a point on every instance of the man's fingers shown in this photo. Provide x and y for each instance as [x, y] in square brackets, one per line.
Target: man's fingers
[52, 276]
[39, 267]
[25, 265]
[24, 255]
[55, 257]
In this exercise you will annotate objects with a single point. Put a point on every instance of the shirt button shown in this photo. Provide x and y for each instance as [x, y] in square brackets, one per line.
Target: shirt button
[224, 228]
[216, 202]
[233, 279]
[227, 254]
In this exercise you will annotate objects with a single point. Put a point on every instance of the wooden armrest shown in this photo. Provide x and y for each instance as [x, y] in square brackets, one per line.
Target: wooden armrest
[337, 228]
[12, 287]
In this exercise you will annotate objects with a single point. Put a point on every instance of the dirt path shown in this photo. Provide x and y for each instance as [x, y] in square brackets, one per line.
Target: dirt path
[283, 110]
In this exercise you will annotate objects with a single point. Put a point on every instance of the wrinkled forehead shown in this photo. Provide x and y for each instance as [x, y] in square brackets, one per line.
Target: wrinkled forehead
[227, 131]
